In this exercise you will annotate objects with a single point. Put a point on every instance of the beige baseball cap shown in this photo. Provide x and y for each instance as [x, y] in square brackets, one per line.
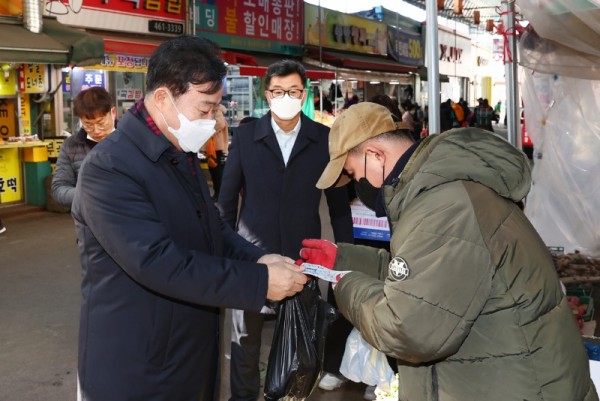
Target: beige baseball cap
[360, 122]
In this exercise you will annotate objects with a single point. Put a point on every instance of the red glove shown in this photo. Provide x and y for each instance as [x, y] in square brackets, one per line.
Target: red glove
[319, 252]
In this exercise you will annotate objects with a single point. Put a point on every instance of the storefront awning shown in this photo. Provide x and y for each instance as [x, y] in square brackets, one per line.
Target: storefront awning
[359, 62]
[56, 44]
[130, 46]
[257, 64]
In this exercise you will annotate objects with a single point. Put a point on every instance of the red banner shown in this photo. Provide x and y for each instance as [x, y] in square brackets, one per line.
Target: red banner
[171, 9]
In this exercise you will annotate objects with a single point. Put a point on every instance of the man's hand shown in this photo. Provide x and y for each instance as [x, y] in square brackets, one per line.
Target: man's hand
[273, 257]
[285, 279]
[220, 118]
[319, 252]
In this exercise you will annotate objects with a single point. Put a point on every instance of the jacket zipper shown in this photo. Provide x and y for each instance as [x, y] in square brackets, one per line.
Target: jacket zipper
[434, 384]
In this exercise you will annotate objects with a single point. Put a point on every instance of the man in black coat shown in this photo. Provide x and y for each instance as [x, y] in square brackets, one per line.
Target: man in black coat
[158, 263]
[275, 163]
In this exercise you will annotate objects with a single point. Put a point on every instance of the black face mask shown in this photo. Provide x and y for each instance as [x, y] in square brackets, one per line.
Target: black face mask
[366, 192]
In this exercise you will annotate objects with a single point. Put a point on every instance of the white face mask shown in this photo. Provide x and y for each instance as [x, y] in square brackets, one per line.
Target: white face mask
[191, 135]
[286, 107]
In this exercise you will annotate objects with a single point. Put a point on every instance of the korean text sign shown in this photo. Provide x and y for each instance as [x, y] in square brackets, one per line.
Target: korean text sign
[262, 25]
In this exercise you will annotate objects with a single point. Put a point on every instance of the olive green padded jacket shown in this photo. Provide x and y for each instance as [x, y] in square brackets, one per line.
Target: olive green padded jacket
[481, 315]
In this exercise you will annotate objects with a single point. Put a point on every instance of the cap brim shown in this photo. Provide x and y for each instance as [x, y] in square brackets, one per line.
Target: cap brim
[332, 173]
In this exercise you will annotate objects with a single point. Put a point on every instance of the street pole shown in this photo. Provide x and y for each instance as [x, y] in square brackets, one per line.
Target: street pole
[433, 67]
[513, 107]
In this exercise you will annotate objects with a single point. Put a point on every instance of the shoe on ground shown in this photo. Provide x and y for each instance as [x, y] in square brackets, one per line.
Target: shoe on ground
[330, 381]
[2, 228]
[370, 393]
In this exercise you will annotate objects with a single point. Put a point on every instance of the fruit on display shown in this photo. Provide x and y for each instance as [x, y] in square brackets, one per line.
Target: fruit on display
[576, 265]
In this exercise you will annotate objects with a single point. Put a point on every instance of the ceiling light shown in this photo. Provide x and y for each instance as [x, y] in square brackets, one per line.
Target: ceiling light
[374, 82]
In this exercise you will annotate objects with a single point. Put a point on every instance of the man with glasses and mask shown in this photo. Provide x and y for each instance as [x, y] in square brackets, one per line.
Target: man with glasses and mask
[97, 114]
[158, 263]
[275, 162]
[468, 300]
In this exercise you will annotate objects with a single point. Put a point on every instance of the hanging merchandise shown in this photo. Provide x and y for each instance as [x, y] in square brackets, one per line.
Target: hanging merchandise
[296, 356]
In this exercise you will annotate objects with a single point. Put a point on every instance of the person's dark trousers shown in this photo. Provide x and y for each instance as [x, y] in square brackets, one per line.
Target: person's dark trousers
[216, 174]
[246, 335]
[335, 342]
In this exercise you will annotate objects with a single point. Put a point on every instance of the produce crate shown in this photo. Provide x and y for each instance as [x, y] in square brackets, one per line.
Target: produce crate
[589, 313]
[580, 290]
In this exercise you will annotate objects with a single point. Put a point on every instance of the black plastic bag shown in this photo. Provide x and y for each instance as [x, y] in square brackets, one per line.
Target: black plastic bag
[296, 357]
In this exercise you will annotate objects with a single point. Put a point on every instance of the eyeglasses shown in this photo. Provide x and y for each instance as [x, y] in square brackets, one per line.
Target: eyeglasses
[102, 123]
[279, 93]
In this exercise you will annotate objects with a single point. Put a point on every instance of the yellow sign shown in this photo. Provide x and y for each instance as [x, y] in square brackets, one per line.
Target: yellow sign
[333, 29]
[120, 62]
[8, 82]
[53, 146]
[11, 8]
[7, 118]
[34, 79]
[24, 114]
[10, 179]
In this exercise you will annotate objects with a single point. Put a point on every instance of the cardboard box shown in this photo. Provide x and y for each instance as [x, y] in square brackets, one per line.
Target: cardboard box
[37, 154]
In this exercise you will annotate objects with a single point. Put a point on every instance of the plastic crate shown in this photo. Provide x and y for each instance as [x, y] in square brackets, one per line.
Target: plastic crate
[580, 290]
[589, 313]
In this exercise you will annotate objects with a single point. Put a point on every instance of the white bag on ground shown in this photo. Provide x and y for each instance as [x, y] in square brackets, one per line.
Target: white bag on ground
[362, 363]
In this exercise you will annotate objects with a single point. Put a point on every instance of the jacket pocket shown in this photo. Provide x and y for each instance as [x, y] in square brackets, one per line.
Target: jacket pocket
[160, 334]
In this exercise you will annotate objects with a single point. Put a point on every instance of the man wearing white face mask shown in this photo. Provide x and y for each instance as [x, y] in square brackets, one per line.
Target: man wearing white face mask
[276, 162]
[158, 263]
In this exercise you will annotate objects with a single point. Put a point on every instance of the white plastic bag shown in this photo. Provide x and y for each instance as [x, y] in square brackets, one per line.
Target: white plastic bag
[362, 363]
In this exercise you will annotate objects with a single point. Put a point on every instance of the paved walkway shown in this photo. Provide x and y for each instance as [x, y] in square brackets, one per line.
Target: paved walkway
[39, 312]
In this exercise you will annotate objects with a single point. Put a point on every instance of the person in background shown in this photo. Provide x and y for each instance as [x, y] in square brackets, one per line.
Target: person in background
[485, 116]
[388, 102]
[497, 112]
[447, 117]
[158, 263]
[216, 151]
[97, 113]
[327, 105]
[275, 162]
[350, 101]
[408, 117]
[468, 300]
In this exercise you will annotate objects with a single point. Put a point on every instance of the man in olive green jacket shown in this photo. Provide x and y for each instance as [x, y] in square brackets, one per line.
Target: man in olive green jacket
[468, 301]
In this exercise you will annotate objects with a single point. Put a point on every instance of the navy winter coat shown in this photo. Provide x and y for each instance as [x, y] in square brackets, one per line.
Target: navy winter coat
[157, 266]
[280, 203]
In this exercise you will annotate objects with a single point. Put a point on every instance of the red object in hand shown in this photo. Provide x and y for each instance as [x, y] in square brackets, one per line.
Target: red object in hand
[319, 252]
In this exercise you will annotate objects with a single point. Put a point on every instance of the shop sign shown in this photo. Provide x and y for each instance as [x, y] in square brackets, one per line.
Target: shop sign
[84, 79]
[158, 26]
[498, 49]
[12, 8]
[24, 115]
[32, 78]
[129, 94]
[53, 146]
[454, 54]
[8, 83]
[405, 47]
[273, 26]
[66, 82]
[120, 15]
[342, 31]
[120, 62]
[7, 118]
[10, 180]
